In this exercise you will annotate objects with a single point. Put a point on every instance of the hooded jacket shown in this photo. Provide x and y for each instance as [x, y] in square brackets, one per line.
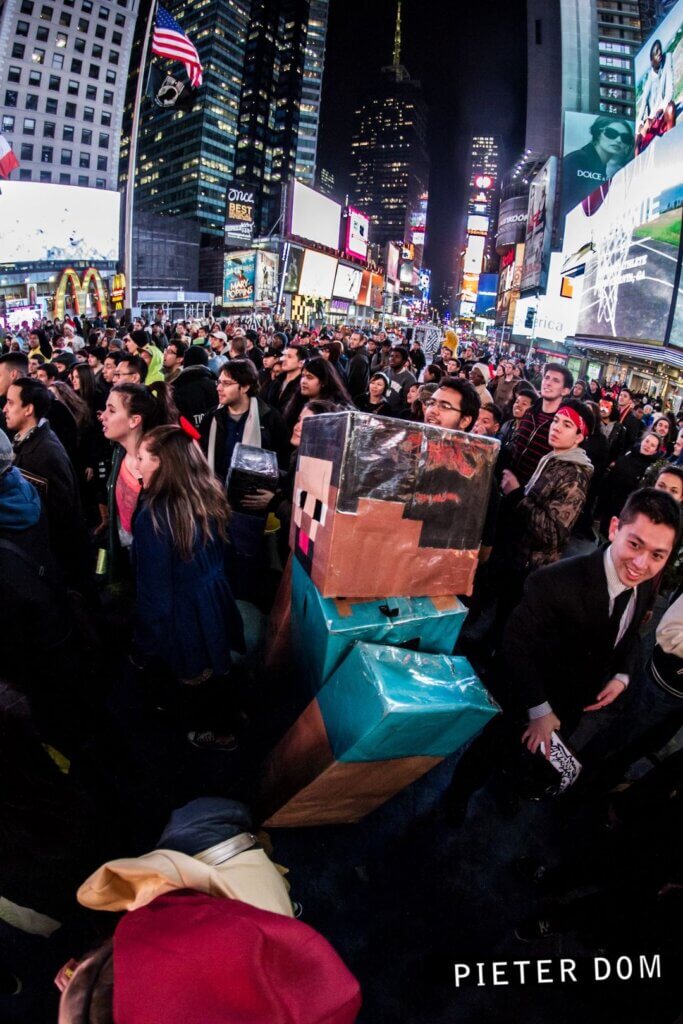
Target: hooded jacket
[195, 392]
[155, 370]
[19, 502]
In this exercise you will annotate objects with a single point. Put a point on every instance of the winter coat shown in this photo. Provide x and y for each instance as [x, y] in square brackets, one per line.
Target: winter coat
[622, 479]
[274, 436]
[195, 392]
[358, 372]
[185, 614]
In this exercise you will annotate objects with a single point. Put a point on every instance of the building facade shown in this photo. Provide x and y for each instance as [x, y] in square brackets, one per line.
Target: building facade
[63, 69]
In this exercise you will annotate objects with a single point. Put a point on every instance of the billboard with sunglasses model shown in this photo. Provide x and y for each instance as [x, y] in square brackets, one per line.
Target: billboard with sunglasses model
[594, 149]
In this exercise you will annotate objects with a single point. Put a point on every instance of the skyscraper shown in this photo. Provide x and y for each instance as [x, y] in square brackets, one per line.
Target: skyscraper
[62, 86]
[620, 37]
[476, 251]
[390, 166]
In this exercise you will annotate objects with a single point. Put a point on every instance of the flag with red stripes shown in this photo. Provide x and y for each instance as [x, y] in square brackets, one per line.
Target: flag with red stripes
[169, 40]
[8, 161]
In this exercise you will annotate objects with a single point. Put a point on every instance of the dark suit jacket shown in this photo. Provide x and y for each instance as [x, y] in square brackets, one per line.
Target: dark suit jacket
[557, 645]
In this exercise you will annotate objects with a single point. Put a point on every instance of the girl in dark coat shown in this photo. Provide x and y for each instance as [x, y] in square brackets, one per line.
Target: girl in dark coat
[374, 399]
[624, 477]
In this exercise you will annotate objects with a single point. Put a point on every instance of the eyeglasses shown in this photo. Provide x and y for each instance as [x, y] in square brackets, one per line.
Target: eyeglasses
[430, 403]
[120, 373]
[223, 383]
[612, 133]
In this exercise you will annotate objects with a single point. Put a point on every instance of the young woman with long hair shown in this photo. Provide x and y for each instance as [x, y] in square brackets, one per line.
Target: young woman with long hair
[131, 410]
[186, 619]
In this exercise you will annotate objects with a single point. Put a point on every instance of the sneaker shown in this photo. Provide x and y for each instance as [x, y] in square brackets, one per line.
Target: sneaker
[533, 929]
[209, 740]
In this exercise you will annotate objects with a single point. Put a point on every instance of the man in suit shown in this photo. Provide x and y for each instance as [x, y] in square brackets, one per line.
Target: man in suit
[569, 647]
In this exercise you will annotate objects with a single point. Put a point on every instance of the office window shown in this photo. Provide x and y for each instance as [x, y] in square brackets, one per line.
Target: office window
[103, 142]
[84, 160]
[96, 51]
[46, 12]
[26, 151]
[8, 122]
[108, 97]
[42, 33]
[113, 56]
[24, 174]
[29, 126]
[105, 119]
[110, 76]
[22, 28]
[68, 133]
[103, 13]
[68, 3]
[89, 114]
[46, 153]
[48, 129]
[83, 179]
[66, 157]
[91, 92]
[18, 51]
[72, 87]
[58, 61]
[50, 106]
[34, 77]
[79, 45]
[83, 24]
[26, 7]
[87, 6]
[116, 38]
[120, 20]
[38, 55]
[64, 179]
[70, 110]
[10, 98]
[46, 176]
[86, 136]
[54, 83]
[13, 73]
[101, 31]
[65, 19]
[100, 183]
[32, 101]
[62, 40]
[101, 163]
[76, 66]
[94, 71]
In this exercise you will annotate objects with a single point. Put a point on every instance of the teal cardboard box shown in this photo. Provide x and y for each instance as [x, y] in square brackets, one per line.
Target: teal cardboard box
[324, 628]
[386, 702]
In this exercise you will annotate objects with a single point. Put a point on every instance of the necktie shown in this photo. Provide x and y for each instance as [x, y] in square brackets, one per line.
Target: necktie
[620, 605]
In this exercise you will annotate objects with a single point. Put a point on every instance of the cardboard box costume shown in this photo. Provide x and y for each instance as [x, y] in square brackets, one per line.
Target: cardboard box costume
[384, 506]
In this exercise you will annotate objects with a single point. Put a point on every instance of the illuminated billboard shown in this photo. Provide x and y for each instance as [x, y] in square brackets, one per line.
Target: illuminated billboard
[313, 216]
[539, 228]
[42, 223]
[239, 213]
[347, 282]
[477, 225]
[266, 277]
[486, 294]
[406, 272]
[294, 261]
[239, 278]
[624, 240]
[418, 221]
[470, 287]
[357, 234]
[474, 255]
[659, 80]
[593, 150]
[393, 255]
[317, 275]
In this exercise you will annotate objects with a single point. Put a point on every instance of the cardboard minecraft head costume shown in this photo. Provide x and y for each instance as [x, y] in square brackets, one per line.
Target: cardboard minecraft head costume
[385, 506]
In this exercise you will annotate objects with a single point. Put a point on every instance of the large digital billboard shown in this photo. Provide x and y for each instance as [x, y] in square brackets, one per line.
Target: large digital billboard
[477, 225]
[357, 234]
[418, 221]
[593, 150]
[317, 275]
[624, 240]
[266, 277]
[239, 278]
[486, 294]
[239, 213]
[62, 223]
[659, 80]
[392, 260]
[313, 216]
[294, 261]
[539, 228]
[347, 282]
[474, 254]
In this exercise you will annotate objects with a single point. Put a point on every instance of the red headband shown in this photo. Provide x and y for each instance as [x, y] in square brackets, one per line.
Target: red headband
[578, 421]
[189, 429]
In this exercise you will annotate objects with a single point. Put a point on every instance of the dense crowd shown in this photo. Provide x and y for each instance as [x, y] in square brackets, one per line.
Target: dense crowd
[120, 556]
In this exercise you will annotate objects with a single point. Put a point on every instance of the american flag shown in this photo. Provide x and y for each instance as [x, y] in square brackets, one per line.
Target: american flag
[169, 40]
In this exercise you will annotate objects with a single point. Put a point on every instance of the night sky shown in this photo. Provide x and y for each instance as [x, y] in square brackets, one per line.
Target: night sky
[471, 60]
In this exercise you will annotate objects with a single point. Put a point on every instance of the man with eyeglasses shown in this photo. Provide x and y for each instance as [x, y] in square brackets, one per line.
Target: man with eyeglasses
[454, 405]
[130, 370]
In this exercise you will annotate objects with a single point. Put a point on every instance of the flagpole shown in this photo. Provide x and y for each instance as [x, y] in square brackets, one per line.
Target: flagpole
[132, 158]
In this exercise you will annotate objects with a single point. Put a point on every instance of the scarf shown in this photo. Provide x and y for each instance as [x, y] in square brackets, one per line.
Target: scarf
[251, 435]
[575, 455]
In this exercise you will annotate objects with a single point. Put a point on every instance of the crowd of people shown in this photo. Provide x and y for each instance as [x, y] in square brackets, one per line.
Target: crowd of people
[119, 548]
